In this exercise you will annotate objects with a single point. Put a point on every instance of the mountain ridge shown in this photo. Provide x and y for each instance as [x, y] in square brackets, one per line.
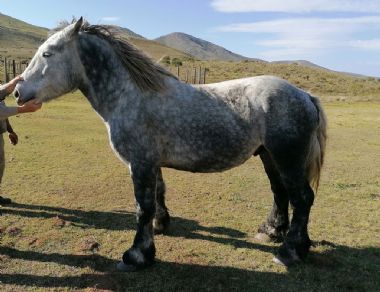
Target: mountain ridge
[199, 48]
[21, 39]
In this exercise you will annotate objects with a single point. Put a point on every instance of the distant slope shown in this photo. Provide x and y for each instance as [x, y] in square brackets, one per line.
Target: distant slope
[300, 62]
[312, 65]
[198, 48]
[327, 84]
[18, 38]
[156, 50]
[153, 49]
[124, 31]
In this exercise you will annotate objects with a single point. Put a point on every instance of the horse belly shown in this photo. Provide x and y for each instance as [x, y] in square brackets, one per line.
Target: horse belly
[214, 153]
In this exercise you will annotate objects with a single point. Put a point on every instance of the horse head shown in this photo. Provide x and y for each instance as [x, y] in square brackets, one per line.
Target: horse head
[54, 69]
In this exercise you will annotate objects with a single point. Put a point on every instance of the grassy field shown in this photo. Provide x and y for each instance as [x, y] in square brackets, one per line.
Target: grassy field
[73, 215]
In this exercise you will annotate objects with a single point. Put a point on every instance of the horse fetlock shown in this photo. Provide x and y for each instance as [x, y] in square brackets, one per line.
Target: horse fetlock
[161, 223]
[274, 234]
[136, 258]
[292, 252]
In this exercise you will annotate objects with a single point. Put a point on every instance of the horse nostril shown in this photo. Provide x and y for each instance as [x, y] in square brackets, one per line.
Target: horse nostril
[16, 94]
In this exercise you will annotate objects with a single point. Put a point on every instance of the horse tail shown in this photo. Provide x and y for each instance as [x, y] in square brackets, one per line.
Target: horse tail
[317, 146]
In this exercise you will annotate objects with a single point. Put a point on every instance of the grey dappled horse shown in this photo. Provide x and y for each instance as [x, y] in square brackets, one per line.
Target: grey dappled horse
[155, 120]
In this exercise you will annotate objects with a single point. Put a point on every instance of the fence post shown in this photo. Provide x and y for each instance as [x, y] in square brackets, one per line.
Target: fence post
[14, 68]
[5, 70]
[199, 75]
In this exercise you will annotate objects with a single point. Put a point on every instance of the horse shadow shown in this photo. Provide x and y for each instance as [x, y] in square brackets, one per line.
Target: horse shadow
[124, 220]
[320, 270]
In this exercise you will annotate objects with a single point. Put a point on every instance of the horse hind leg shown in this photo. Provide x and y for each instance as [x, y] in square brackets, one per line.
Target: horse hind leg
[301, 196]
[277, 223]
[161, 219]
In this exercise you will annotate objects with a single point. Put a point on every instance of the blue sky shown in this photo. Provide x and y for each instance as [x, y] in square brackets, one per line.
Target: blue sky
[338, 34]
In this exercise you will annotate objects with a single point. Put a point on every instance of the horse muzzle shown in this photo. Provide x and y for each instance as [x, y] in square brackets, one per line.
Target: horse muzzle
[21, 97]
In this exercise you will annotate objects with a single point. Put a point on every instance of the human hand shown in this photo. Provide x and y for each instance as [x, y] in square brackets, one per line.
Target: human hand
[10, 86]
[30, 106]
[13, 138]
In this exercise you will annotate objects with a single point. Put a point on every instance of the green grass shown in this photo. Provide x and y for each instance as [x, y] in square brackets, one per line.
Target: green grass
[74, 213]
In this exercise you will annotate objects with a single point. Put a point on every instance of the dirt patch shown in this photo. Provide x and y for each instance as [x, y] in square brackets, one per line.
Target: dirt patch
[59, 222]
[89, 245]
[13, 231]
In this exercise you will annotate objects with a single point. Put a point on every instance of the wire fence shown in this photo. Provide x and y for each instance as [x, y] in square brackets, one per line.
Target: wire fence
[10, 68]
[193, 75]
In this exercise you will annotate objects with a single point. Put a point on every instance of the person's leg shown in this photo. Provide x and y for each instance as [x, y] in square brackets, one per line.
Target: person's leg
[3, 201]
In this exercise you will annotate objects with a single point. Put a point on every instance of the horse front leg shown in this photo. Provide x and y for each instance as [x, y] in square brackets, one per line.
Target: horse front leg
[142, 252]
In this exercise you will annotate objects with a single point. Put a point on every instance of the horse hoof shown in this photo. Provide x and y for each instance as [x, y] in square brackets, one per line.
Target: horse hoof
[122, 267]
[263, 237]
[287, 260]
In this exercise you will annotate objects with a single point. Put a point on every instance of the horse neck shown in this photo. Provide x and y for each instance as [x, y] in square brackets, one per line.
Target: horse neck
[106, 79]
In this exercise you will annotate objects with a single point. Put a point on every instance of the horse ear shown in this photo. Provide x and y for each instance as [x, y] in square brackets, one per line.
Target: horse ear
[77, 26]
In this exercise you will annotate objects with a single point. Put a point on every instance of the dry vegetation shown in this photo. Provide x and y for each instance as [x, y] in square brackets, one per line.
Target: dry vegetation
[329, 85]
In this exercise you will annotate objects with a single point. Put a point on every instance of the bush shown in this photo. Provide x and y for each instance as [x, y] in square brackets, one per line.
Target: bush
[176, 62]
[165, 60]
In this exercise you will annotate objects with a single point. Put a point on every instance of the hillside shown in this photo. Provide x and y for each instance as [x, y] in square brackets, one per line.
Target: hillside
[124, 31]
[199, 48]
[300, 62]
[329, 85]
[153, 49]
[19, 39]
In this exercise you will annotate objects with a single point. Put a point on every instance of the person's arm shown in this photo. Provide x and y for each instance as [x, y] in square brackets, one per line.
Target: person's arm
[9, 126]
[9, 87]
[28, 107]
[13, 138]
[3, 91]
[7, 111]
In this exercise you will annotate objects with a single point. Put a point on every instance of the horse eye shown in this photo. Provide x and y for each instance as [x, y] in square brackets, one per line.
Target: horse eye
[46, 54]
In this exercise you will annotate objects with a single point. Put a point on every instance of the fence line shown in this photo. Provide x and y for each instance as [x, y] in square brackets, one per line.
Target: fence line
[194, 75]
[11, 68]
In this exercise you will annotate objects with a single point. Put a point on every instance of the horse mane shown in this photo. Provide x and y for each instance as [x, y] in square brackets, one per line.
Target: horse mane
[145, 73]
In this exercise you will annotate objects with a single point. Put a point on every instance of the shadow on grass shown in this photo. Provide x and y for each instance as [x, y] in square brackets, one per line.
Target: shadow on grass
[339, 268]
[119, 220]
[81, 218]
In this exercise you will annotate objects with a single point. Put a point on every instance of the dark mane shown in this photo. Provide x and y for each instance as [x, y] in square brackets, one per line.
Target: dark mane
[145, 73]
